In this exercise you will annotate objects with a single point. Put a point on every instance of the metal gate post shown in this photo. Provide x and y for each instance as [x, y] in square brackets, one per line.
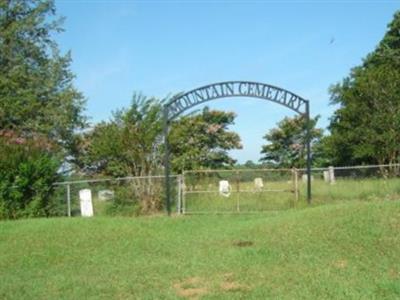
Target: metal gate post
[308, 142]
[295, 185]
[69, 200]
[166, 164]
[183, 193]
[179, 204]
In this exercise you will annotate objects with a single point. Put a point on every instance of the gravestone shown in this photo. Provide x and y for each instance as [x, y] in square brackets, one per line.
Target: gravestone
[326, 176]
[224, 188]
[85, 197]
[105, 195]
[331, 175]
[304, 178]
[258, 184]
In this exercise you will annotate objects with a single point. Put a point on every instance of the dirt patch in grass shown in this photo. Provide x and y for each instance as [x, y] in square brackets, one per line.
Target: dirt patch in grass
[196, 287]
[191, 288]
[394, 274]
[243, 243]
[233, 286]
[230, 285]
[340, 264]
[192, 293]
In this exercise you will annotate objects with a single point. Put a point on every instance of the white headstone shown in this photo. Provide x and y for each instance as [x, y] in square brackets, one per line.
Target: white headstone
[304, 178]
[258, 183]
[332, 175]
[85, 197]
[326, 176]
[224, 188]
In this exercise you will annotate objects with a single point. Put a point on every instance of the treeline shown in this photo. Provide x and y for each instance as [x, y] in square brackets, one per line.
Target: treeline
[364, 129]
[45, 135]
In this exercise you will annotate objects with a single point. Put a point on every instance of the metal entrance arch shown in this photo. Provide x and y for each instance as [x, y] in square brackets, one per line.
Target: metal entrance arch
[185, 101]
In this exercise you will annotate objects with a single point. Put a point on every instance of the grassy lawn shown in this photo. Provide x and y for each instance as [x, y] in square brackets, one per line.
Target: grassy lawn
[336, 251]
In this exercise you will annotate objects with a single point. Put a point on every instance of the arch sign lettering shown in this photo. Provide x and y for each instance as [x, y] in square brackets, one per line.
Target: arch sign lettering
[230, 89]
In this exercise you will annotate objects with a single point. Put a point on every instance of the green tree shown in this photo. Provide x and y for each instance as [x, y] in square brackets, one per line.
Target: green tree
[321, 152]
[366, 127]
[37, 96]
[130, 144]
[249, 164]
[40, 110]
[202, 140]
[286, 145]
[28, 170]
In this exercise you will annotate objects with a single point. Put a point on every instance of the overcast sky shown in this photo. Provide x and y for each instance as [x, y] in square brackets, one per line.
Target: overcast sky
[164, 47]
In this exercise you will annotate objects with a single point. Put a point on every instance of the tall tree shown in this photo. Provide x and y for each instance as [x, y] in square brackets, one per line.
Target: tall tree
[366, 126]
[286, 145]
[130, 144]
[37, 96]
[202, 140]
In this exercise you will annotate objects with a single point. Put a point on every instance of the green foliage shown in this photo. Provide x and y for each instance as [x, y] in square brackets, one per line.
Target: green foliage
[36, 91]
[388, 50]
[365, 128]
[202, 140]
[125, 203]
[128, 145]
[249, 164]
[27, 174]
[321, 152]
[39, 106]
[136, 197]
[286, 146]
[131, 144]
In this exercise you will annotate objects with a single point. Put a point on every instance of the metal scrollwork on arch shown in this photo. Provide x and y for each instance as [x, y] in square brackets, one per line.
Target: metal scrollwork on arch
[185, 101]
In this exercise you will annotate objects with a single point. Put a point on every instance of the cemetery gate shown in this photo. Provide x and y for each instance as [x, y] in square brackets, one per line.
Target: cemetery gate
[182, 102]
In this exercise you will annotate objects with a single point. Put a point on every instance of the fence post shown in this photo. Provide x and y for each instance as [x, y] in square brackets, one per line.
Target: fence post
[69, 200]
[183, 208]
[296, 184]
[238, 190]
[308, 147]
[179, 204]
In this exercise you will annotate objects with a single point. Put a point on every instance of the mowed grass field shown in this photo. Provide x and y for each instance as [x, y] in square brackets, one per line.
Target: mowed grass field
[336, 251]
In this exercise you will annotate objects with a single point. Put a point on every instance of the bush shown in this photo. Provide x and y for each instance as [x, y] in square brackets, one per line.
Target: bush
[125, 203]
[27, 174]
[136, 197]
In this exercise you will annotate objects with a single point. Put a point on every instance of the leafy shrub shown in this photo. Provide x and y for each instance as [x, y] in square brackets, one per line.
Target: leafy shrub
[125, 203]
[136, 197]
[27, 174]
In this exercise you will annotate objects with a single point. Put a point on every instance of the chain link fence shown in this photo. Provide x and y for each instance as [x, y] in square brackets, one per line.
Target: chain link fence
[352, 183]
[232, 191]
[119, 196]
[238, 191]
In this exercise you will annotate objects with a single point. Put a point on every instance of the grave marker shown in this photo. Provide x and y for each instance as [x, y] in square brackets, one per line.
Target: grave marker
[85, 197]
